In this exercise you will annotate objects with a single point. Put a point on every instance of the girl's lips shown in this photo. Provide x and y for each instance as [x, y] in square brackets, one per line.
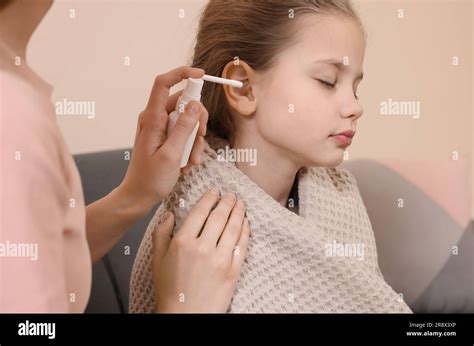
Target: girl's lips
[342, 139]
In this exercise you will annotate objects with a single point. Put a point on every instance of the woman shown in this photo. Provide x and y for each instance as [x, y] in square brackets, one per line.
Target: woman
[313, 248]
[42, 203]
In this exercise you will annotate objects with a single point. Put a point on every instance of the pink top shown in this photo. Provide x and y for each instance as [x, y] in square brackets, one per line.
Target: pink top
[45, 263]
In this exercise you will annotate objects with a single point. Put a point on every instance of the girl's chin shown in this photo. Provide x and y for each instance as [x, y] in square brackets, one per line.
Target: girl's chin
[325, 156]
[330, 161]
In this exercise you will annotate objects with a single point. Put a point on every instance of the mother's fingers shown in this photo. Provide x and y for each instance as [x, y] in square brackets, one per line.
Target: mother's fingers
[172, 101]
[197, 151]
[198, 215]
[232, 231]
[240, 251]
[203, 121]
[158, 99]
[216, 222]
[162, 235]
[196, 154]
[204, 115]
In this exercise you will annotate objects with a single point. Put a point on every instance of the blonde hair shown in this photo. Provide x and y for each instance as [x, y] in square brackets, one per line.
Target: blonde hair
[255, 31]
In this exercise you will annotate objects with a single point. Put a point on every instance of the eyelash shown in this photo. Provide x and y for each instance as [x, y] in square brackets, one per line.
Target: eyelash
[327, 83]
[332, 86]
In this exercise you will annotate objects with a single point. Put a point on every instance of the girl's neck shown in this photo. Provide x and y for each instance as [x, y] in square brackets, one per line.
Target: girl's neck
[273, 172]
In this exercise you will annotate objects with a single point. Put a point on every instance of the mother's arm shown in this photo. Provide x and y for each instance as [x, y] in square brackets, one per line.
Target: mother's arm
[154, 167]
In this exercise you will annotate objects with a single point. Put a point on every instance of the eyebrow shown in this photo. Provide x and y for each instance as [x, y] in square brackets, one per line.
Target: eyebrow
[339, 65]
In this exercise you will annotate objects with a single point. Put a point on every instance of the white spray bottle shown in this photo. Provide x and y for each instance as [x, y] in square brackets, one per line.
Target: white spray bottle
[193, 92]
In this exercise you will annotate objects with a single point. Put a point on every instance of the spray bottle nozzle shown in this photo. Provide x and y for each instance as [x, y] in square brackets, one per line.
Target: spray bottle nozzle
[231, 82]
[194, 87]
[192, 90]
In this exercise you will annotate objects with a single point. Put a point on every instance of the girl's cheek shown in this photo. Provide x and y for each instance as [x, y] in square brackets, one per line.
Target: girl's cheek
[316, 119]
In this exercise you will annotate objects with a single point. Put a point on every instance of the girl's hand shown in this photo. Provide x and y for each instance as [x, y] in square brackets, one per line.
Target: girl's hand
[197, 271]
[155, 164]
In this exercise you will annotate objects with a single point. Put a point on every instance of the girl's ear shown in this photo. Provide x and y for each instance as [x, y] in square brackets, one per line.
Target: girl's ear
[241, 100]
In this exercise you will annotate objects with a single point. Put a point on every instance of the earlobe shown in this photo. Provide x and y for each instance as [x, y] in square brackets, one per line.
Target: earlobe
[241, 100]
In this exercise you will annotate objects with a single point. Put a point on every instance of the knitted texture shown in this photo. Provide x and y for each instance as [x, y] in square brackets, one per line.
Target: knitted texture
[290, 265]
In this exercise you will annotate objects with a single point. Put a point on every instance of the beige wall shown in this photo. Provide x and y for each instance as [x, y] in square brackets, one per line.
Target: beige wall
[407, 59]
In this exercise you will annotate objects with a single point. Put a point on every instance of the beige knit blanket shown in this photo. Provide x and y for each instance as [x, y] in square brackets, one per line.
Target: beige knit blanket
[322, 259]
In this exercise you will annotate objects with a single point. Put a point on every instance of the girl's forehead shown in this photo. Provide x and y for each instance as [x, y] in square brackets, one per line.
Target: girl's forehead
[328, 37]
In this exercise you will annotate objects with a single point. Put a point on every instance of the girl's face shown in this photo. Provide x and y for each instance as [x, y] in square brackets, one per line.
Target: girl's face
[309, 93]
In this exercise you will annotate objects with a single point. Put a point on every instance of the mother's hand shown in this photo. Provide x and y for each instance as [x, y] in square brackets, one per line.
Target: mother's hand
[155, 164]
[197, 271]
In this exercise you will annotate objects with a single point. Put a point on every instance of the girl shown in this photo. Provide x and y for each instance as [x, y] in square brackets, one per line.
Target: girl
[312, 247]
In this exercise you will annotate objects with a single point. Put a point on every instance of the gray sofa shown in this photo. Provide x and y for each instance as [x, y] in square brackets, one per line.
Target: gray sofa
[450, 290]
[100, 173]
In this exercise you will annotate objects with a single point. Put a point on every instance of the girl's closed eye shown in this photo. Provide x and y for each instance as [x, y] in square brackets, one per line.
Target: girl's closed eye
[326, 83]
[333, 85]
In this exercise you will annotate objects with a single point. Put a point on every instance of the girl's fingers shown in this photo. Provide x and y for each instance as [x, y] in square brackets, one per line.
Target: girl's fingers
[217, 220]
[232, 231]
[162, 235]
[240, 251]
[198, 215]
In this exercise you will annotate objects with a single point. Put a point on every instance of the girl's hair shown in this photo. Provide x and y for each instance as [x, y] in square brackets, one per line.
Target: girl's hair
[4, 3]
[255, 31]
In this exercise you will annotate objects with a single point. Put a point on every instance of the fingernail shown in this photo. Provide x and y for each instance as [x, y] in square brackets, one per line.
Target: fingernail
[229, 195]
[214, 191]
[240, 204]
[194, 107]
